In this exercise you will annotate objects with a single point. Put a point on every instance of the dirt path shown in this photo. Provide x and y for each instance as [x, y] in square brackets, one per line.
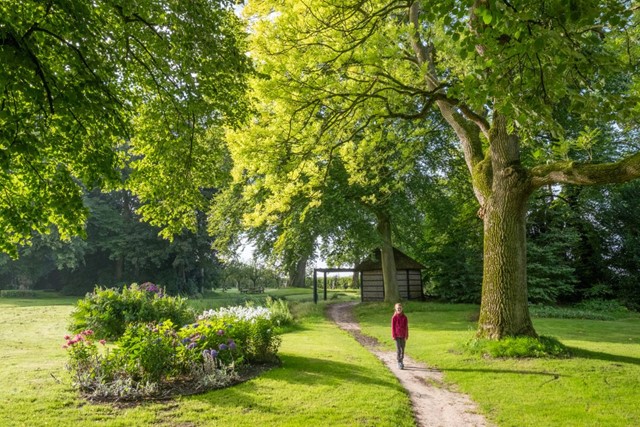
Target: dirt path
[433, 405]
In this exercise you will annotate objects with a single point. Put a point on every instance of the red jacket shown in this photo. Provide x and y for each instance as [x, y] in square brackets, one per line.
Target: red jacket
[399, 326]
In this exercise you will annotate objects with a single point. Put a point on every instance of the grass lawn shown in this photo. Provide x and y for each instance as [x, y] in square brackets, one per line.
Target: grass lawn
[234, 297]
[326, 378]
[599, 386]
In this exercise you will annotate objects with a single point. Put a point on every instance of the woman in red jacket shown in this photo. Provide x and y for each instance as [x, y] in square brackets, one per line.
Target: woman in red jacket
[400, 332]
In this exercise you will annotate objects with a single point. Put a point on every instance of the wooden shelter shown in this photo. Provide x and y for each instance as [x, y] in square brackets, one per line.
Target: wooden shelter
[408, 274]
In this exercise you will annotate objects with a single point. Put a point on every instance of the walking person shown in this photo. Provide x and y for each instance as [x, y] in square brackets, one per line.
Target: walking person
[400, 332]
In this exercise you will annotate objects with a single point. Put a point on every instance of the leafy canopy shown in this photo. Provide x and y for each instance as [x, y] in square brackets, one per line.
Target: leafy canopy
[85, 85]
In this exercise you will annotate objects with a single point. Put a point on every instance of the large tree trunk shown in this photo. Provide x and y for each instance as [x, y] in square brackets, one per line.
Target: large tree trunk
[504, 310]
[391, 293]
[298, 273]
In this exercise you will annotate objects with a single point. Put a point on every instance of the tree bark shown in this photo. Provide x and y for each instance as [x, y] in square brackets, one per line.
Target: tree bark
[298, 273]
[504, 310]
[391, 293]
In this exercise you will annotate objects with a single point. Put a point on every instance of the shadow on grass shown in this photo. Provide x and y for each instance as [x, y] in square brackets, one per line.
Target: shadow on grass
[504, 371]
[607, 357]
[294, 370]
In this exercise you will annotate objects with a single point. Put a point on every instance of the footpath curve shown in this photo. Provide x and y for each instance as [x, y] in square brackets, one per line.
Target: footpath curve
[434, 405]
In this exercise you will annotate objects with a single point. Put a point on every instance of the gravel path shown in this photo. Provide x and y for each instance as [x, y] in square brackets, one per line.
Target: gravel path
[433, 404]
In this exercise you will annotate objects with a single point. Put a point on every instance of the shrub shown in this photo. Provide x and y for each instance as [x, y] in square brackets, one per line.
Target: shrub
[150, 358]
[600, 305]
[17, 293]
[518, 347]
[84, 359]
[108, 311]
[251, 328]
[146, 352]
[544, 311]
[280, 312]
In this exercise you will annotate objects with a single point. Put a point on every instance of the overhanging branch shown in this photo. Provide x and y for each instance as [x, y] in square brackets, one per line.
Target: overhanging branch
[625, 170]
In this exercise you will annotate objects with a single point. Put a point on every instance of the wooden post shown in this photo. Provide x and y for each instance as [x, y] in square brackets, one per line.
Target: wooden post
[315, 286]
[325, 285]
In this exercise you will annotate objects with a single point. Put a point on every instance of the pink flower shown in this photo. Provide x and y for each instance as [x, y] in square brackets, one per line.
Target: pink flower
[66, 337]
[103, 342]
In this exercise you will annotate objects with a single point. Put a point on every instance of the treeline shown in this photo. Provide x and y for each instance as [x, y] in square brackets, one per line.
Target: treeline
[583, 243]
[118, 249]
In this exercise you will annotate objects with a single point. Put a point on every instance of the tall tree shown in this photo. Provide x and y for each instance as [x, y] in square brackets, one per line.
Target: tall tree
[79, 79]
[502, 74]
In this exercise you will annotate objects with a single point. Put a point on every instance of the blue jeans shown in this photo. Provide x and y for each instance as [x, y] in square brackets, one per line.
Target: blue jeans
[400, 343]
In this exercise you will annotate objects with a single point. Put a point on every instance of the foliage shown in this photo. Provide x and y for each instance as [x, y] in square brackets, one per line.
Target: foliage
[108, 311]
[17, 293]
[514, 81]
[119, 248]
[544, 311]
[80, 79]
[150, 358]
[253, 329]
[551, 256]
[518, 347]
[147, 352]
[280, 311]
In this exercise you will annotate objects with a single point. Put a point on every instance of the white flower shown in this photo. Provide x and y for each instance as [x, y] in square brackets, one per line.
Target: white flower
[238, 312]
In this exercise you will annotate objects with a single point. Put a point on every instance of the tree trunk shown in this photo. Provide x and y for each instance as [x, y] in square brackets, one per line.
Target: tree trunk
[298, 274]
[355, 277]
[391, 293]
[504, 310]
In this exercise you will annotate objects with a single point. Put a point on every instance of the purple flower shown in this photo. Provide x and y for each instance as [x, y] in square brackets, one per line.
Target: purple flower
[213, 353]
[232, 345]
[191, 346]
[223, 347]
[185, 340]
[220, 332]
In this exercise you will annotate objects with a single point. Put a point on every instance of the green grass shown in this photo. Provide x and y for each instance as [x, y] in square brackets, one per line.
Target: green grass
[234, 297]
[598, 386]
[326, 378]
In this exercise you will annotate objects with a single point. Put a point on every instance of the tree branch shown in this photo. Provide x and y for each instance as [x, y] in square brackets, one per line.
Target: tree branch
[624, 170]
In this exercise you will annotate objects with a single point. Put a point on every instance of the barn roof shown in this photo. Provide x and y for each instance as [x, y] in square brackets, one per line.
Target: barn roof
[403, 262]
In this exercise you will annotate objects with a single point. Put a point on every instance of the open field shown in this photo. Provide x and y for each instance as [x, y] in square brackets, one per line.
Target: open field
[598, 386]
[326, 378]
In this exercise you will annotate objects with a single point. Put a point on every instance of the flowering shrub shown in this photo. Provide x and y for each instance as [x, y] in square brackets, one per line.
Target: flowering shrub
[146, 352]
[150, 357]
[84, 358]
[108, 311]
[252, 329]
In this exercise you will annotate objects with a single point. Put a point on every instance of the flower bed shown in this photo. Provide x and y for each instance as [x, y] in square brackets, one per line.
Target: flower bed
[156, 358]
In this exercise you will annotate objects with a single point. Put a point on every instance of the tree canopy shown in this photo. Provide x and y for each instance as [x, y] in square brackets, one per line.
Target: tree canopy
[84, 86]
[528, 88]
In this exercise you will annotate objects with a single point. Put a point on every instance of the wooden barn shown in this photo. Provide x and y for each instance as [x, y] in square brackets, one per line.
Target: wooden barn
[407, 272]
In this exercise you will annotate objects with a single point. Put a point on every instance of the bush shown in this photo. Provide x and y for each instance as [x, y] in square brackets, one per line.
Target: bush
[17, 293]
[151, 358]
[108, 311]
[600, 305]
[280, 312]
[252, 328]
[544, 311]
[518, 347]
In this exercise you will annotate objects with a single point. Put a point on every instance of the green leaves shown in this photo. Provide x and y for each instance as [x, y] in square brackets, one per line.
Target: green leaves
[78, 82]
